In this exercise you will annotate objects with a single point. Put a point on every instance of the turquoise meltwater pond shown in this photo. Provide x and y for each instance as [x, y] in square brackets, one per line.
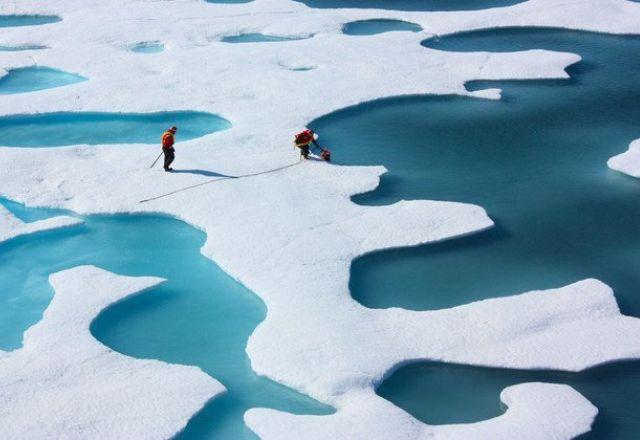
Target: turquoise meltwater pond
[27, 20]
[62, 129]
[536, 160]
[258, 38]
[32, 79]
[20, 48]
[147, 47]
[200, 317]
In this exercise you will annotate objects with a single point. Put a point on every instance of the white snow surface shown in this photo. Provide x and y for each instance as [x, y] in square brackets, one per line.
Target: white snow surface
[64, 384]
[290, 235]
[12, 227]
[627, 162]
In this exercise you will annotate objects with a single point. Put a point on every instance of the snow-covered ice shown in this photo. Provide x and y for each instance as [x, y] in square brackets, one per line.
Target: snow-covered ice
[64, 384]
[12, 227]
[627, 162]
[290, 235]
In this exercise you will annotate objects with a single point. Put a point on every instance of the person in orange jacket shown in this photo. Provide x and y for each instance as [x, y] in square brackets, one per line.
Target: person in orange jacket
[168, 139]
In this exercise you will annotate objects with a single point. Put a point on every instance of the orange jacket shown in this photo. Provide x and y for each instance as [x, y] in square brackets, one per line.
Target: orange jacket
[168, 140]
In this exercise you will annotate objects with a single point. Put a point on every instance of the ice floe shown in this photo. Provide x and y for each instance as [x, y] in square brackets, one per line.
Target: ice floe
[627, 162]
[65, 384]
[12, 227]
[289, 235]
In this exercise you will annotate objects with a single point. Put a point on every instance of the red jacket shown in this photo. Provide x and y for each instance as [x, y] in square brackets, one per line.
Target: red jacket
[304, 138]
[168, 140]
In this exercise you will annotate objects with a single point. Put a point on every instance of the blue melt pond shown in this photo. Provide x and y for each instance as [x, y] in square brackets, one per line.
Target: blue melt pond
[200, 316]
[27, 20]
[60, 129]
[258, 38]
[412, 5]
[31, 79]
[536, 161]
[20, 48]
[301, 69]
[379, 26]
[147, 47]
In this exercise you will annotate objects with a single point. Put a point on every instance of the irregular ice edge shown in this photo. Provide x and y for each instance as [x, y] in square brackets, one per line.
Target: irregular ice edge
[11, 227]
[74, 177]
[535, 411]
[64, 383]
[627, 162]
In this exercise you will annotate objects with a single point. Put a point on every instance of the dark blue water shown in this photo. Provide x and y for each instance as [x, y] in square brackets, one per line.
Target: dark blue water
[60, 129]
[258, 38]
[27, 20]
[372, 27]
[471, 394]
[412, 5]
[536, 160]
[31, 79]
[511, 39]
[199, 317]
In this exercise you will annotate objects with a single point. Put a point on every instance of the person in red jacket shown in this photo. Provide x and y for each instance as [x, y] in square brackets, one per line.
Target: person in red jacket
[168, 139]
[303, 141]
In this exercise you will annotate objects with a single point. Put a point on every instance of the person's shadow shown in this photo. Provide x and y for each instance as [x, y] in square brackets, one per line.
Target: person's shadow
[203, 173]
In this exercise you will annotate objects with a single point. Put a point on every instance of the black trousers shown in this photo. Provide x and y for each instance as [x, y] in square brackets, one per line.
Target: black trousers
[169, 156]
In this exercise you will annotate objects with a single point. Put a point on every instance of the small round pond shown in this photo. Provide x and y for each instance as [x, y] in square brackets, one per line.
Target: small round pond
[147, 47]
[379, 26]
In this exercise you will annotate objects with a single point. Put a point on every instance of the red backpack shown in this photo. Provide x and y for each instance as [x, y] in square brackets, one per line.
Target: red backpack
[304, 137]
